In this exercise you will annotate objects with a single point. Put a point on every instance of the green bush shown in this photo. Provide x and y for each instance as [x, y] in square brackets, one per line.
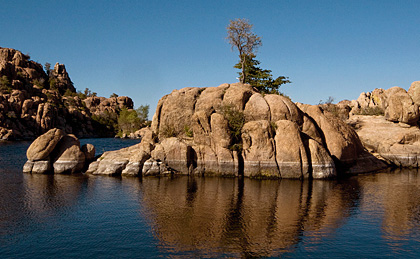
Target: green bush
[128, 121]
[106, 122]
[5, 85]
[143, 114]
[236, 120]
[188, 131]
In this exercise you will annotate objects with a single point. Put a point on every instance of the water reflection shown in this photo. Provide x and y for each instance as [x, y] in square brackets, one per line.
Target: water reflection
[211, 217]
[242, 216]
[398, 194]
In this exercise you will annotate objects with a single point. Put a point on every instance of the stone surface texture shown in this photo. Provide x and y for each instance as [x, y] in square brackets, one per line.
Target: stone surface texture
[231, 130]
[59, 153]
[396, 142]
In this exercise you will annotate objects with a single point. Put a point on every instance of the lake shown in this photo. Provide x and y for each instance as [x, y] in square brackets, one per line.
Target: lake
[67, 216]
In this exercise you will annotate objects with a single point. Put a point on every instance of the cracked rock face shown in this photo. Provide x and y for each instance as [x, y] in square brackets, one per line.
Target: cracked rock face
[231, 130]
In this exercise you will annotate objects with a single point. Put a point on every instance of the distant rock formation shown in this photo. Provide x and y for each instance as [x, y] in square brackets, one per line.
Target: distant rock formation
[231, 130]
[59, 153]
[396, 104]
[33, 102]
[387, 122]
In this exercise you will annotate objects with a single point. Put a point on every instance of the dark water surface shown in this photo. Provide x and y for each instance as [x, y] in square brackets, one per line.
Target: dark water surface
[67, 216]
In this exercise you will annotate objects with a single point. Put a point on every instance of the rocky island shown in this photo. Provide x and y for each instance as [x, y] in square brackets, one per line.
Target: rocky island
[229, 130]
[232, 130]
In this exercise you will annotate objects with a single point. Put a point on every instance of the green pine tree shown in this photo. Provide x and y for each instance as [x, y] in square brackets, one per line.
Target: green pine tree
[261, 79]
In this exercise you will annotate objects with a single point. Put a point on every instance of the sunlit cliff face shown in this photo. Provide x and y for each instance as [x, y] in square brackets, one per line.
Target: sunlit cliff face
[245, 217]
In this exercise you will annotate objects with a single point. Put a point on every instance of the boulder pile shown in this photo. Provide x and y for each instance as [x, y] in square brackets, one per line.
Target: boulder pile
[396, 104]
[59, 153]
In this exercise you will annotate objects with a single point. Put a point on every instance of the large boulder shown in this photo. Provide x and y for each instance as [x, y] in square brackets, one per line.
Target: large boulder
[41, 148]
[68, 156]
[414, 92]
[258, 150]
[282, 108]
[291, 154]
[401, 107]
[127, 161]
[56, 152]
[175, 113]
[341, 140]
[321, 162]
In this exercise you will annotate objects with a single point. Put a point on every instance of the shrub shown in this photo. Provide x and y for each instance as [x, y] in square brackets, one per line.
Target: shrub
[68, 92]
[106, 123]
[273, 127]
[128, 121]
[39, 82]
[168, 131]
[372, 111]
[5, 84]
[188, 131]
[236, 120]
[11, 115]
[53, 83]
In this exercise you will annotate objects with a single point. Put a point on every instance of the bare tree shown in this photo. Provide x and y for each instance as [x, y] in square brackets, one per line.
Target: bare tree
[241, 37]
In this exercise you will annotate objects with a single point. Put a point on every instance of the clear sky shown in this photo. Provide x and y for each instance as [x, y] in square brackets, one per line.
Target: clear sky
[145, 49]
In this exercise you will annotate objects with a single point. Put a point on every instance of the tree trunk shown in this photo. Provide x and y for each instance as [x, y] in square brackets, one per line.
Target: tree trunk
[243, 69]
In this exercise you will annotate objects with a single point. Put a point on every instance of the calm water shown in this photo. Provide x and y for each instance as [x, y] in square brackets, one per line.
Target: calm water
[49, 216]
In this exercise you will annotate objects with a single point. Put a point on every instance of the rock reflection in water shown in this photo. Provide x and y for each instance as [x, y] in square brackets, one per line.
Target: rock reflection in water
[397, 194]
[242, 216]
[38, 198]
[376, 214]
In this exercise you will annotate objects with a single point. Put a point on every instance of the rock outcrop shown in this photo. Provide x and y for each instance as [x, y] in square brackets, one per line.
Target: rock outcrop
[398, 143]
[231, 130]
[33, 101]
[396, 104]
[57, 152]
[387, 122]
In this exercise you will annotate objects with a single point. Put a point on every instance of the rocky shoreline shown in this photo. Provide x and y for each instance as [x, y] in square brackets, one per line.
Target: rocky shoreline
[193, 133]
[230, 130]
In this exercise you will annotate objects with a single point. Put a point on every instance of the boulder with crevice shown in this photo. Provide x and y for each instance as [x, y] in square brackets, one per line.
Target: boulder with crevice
[59, 153]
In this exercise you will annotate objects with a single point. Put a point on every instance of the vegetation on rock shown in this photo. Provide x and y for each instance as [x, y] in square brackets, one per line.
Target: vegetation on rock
[241, 37]
[236, 120]
[261, 79]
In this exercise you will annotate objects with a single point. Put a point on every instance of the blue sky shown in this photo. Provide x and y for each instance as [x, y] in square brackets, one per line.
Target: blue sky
[145, 49]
